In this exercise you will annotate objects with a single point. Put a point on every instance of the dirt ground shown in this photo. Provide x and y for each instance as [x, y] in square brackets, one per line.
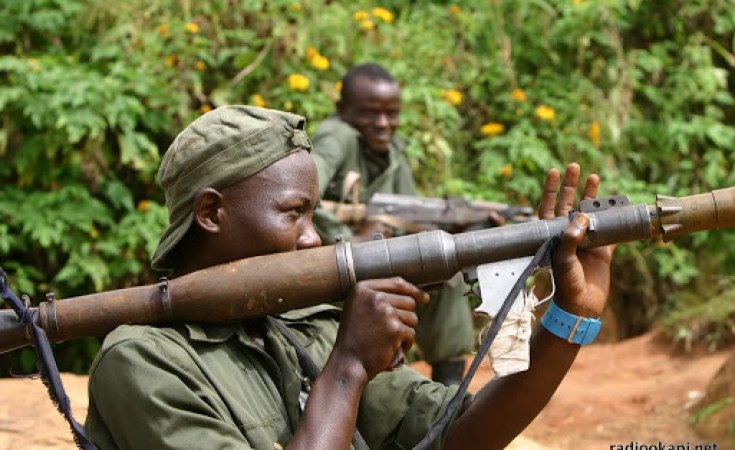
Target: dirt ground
[633, 392]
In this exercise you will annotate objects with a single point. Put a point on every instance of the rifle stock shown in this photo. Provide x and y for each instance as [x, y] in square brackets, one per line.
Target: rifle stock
[275, 283]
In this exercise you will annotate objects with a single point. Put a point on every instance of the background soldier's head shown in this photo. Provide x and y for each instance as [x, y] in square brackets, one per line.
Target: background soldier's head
[371, 102]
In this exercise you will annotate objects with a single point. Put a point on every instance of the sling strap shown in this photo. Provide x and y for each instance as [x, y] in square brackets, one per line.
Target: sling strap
[541, 258]
[45, 363]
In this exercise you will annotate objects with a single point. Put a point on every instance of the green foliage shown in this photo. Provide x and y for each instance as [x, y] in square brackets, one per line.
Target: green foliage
[712, 322]
[713, 408]
[494, 92]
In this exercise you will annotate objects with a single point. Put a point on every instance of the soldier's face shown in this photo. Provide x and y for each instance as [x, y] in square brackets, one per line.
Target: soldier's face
[373, 108]
[271, 211]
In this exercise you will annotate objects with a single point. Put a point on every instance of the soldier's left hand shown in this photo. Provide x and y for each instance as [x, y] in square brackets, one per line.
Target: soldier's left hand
[582, 276]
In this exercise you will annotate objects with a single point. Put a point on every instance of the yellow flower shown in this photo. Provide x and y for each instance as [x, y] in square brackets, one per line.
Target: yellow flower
[320, 62]
[171, 60]
[338, 86]
[454, 9]
[296, 7]
[492, 129]
[518, 95]
[93, 233]
[192, 28]
[311, 52]
[383, 14]
[287, 105]
[162, 29]
[144, 205]
[200, 66]
[258, 100]
[506, 170]
[298, 82]
[360, 16]
[367, 24]
[594, 133]
[452, 96]
[546, 113]
[205, 108]
[577, 2]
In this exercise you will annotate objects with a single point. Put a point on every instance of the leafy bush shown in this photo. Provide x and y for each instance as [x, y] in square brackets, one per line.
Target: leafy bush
[494, 92]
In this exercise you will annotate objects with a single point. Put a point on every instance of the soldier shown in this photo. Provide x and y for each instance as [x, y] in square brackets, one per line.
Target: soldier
[361, 139]
[239, 182]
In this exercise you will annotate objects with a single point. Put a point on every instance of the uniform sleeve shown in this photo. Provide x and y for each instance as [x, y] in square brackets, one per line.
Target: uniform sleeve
[147, 396]
[329, 227]
[329, 154]
[398, 409]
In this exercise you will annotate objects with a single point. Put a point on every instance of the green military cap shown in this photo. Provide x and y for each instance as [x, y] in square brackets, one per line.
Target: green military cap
[218, 149]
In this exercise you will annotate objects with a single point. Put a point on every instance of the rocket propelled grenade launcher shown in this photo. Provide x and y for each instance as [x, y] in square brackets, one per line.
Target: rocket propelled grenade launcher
[240, 290]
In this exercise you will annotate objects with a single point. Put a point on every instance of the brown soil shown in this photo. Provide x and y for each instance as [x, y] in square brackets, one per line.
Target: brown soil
[634, 391]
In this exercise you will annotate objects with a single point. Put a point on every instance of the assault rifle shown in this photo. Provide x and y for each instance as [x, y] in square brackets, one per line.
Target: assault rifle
[427, 213]
[232, 291]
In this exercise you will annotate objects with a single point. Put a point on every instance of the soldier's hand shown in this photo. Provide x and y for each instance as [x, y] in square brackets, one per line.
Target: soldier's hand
[369, 229]
[378, 319]
[495, 219]
[582, 275]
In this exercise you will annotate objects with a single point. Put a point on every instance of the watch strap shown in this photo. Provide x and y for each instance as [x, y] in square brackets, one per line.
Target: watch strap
[573, 329]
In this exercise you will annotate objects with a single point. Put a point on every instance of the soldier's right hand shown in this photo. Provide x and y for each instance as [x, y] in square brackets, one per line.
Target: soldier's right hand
[378, 319]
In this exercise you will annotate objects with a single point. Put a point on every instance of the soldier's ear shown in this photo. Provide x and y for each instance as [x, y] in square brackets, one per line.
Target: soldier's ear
[208, 210]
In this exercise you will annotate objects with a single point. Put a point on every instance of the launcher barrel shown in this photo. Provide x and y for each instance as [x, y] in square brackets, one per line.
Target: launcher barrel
[272, 284]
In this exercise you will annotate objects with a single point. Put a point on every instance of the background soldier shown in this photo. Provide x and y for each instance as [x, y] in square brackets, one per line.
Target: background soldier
[361, 139]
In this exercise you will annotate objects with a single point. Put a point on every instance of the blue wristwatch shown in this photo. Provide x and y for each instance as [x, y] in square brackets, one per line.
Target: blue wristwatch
[573, 329]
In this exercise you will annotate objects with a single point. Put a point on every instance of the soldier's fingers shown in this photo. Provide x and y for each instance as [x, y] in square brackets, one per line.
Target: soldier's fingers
[408, 318]
[397, 285]
[385, 230]
[548, 199]
[403, 334]
[591, 187]
[565, 202]
[566, 252]
[400, 302]
[409, 336]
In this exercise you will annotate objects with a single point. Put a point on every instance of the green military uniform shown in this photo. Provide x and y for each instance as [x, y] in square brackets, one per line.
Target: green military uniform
[444, 331]
[198, 386]
[194, 386]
